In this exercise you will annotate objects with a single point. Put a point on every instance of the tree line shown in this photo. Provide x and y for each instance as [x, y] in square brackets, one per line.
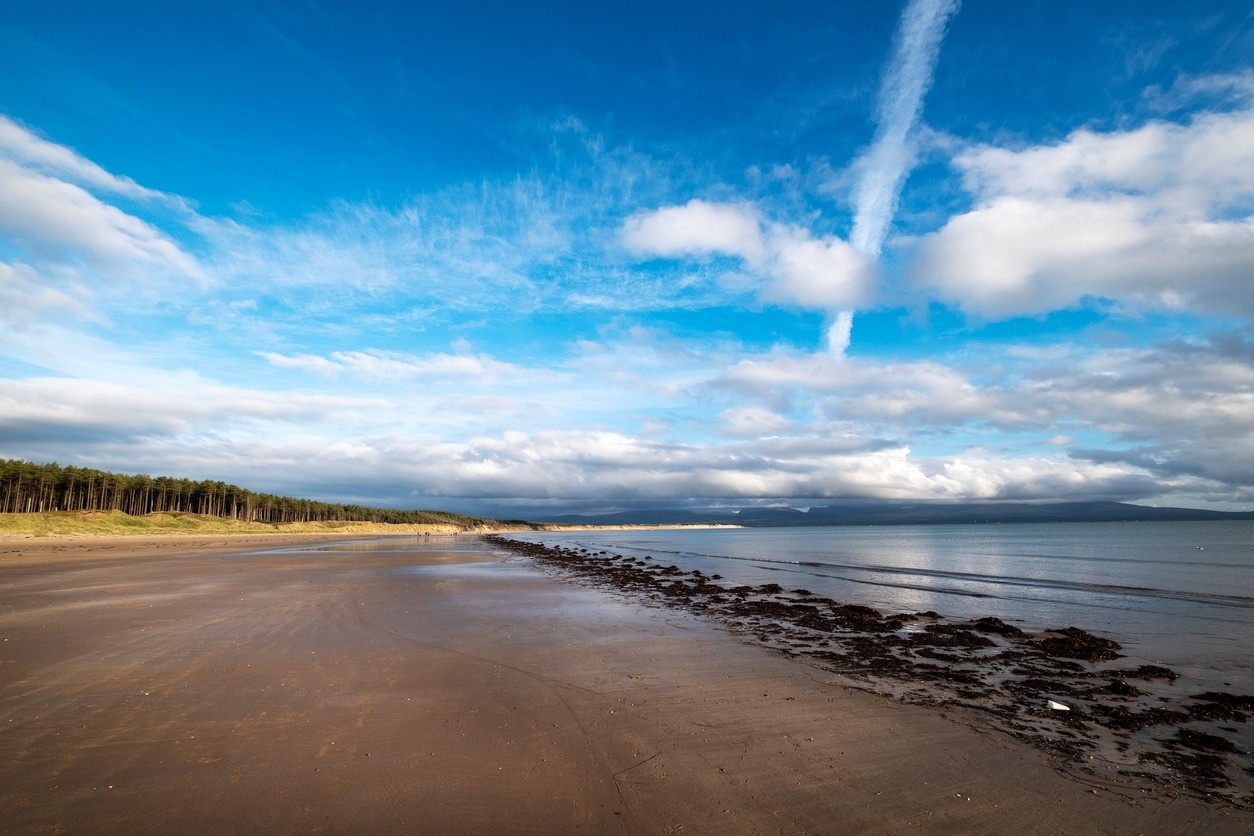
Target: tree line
[26, 487]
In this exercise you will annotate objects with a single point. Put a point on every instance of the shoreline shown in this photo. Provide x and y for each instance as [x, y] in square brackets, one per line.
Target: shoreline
[1063, 690]
[75, 525]
[557, 528]
[441, 686]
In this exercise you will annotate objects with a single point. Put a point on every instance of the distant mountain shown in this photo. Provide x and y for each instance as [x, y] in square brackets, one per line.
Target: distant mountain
[651, 517]
[937, 513]
[869, 512]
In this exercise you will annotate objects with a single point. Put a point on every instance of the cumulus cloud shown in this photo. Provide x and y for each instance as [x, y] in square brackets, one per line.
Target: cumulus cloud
[1176, 410]
[697, 228]
[596, 465]
[600, 464]
[1155, 217]
[816, 273]
[799, 426]
[1179, 413]
[1035, 478]
[792, 266]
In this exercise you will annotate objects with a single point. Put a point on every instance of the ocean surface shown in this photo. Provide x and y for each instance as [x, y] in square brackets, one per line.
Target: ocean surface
[1179, 594]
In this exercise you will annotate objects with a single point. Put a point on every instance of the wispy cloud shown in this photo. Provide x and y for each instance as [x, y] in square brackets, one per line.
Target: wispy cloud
[23, 145]
[26, 298]
[543, 240]
[71, 233]
[381, 366]
[59, 221]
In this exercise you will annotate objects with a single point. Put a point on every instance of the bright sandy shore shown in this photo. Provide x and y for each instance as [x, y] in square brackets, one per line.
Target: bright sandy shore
[197, 685]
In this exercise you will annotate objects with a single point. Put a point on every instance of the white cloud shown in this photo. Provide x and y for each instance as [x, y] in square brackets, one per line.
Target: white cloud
[818, 273]
[25, 297]
[799, 425]
[1188, 92]
[1176, 409]
[753, 422]
[379, 366]
[1157, 217]
[22, 145]
[60, 222]
[791, 265]
[578, 465]
[544, 240]
[1179, 413]
[158, 422]
[288, 441]
[827, 274]
[695, 229]
[981, 477]
[921, 393]
[69, 246]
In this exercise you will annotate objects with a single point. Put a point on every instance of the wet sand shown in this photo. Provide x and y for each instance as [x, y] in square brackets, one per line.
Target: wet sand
[180, 686]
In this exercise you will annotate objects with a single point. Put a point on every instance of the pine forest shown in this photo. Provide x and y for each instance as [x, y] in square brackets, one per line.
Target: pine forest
[26, 487]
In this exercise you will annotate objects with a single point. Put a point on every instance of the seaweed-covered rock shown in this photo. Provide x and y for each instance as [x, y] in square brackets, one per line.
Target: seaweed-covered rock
[1115, 688]
[994, 625]
[1240, 701]
[1152, 672]
[1074, 643]
[1202, 742]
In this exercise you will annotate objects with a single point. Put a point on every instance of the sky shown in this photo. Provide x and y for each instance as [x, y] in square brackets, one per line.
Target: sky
[536, 258]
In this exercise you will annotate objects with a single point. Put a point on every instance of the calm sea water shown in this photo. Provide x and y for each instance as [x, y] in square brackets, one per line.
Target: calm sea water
[1176, 594]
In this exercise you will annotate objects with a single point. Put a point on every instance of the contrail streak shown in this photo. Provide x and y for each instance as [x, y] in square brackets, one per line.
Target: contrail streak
[885, 166]
[905, 83]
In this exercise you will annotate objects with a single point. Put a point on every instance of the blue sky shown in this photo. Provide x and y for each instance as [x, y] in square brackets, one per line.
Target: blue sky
[564, 256]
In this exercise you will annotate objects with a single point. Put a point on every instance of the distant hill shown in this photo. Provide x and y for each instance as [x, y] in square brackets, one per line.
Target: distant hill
[659, 516]
[869, 512]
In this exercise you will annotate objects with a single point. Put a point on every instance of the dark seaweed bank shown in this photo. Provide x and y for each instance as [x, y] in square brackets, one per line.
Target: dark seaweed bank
[1063, 690]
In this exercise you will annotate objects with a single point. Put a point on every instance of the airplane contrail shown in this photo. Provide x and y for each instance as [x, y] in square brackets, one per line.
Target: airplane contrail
[885, 165]
[906, 81]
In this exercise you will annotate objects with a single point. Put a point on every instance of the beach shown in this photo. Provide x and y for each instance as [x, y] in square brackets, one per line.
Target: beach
[287, 684]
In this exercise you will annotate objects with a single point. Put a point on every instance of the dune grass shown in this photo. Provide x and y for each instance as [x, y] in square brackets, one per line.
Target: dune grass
[97, 523]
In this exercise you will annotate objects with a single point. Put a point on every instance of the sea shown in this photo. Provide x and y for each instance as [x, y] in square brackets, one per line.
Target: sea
[1177, 594]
